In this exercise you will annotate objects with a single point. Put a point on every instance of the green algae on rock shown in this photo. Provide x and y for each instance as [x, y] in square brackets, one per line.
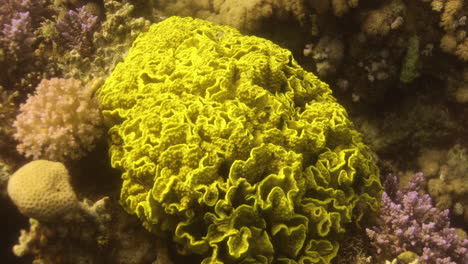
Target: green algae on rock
[231, 148]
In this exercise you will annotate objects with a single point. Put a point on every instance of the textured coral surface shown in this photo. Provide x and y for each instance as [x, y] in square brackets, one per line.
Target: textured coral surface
[232, 148]
[60, 121]
[41, 189]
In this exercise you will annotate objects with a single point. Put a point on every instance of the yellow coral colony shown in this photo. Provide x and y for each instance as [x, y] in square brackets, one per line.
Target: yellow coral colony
[228, 146]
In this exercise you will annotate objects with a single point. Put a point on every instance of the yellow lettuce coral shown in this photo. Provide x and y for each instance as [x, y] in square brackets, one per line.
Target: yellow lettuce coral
[229, 146]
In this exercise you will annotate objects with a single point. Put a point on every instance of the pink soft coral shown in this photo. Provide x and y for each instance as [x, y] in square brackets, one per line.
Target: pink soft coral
[60, 121]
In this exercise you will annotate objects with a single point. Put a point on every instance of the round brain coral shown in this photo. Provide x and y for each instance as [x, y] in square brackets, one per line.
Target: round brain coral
[227, 144]
[41, 190]
[60, 121]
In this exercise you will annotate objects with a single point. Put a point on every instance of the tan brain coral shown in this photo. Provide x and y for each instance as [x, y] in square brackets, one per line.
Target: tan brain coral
[41, 190]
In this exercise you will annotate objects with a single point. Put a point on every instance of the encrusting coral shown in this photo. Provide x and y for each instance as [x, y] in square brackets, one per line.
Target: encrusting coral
[231, 148]
[60, 121]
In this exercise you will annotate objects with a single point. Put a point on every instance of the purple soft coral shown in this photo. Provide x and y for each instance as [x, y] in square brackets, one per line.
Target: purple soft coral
[409, 222]
[77, 29]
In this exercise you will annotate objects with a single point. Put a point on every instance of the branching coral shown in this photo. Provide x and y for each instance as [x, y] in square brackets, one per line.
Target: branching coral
[328, 54]
[449, 184]
[19, 19]
[453, 21]
[230, 147]
[18, 36]
[60, 121]
[408, 221]
[18, 40]
[245, 15]
[87, 42]
[117, 33]
[249, 14]
[381, 21]
[339, 7]
[7, 114]
[77, 28]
